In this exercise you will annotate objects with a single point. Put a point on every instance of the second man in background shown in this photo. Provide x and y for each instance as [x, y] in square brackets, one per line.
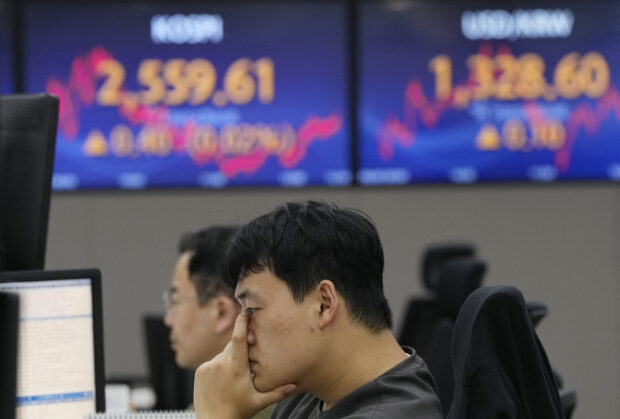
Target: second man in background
[200, 307]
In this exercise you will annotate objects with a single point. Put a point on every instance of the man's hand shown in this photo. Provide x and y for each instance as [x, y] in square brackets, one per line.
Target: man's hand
[223, 387]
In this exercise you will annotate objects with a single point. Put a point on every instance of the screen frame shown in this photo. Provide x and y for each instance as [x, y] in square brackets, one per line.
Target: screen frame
[347, 61]
[94, 275]
[9, 324]
[503, 182]
[25, 188]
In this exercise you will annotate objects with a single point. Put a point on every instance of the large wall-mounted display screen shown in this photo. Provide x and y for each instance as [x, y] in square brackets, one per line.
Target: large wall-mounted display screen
[453, 92]
[194, 94]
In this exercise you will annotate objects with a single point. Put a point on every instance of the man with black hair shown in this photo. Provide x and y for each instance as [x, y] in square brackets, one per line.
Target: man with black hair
[315, 325]
[200, 306]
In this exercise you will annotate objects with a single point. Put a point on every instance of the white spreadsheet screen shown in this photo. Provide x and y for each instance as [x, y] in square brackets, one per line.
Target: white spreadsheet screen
[55, 362]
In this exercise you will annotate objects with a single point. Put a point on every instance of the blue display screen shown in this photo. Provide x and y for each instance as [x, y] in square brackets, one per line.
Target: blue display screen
[458, 93]
[194, 95]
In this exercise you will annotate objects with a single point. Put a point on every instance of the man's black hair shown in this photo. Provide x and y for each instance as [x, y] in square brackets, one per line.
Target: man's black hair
[206, 269]
[304, 243]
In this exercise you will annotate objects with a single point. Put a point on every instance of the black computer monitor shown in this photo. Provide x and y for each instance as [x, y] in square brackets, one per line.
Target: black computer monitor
[9, 311]
[27, 142]
[60, 368]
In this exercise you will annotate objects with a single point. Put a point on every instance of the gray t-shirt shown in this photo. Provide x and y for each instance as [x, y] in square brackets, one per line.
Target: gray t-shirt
[405, 391]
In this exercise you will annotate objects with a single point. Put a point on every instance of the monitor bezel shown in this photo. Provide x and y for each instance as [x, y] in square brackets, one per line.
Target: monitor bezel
[95, 277]
[9, 324]
[242, 180]
[25, 199]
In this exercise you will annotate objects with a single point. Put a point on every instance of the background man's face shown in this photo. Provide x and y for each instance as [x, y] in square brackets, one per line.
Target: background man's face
[192, 333]
[281, 335]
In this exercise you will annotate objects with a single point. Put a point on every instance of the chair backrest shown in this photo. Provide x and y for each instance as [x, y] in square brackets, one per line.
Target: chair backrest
[173, 386]
[422, 313]
[418, 323]
[457, 279]
[438, 361]
[500, 367]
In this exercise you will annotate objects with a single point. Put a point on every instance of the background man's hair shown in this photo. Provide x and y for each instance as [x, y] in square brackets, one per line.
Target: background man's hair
[206, 269]
[304, 243]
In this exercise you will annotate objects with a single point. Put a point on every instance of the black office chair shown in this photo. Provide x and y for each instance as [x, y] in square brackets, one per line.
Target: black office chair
[173, 386]
[501, 369]
[421, 313]
[456, 281]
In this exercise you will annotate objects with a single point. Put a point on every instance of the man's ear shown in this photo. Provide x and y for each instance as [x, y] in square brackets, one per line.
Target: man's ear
[329, 301]
[226, 311]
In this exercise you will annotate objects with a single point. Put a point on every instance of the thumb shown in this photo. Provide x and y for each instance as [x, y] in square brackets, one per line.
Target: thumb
[278, 394]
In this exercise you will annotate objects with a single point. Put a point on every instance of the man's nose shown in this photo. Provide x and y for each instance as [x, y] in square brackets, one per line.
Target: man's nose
[168, 318]
[251, 337]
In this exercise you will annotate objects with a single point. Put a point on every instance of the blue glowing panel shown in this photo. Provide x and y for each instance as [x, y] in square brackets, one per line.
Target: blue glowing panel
[456, 93]
[194, 95]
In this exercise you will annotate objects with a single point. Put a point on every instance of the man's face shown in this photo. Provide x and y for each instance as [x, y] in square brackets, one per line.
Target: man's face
[192, 335]
[281, 334]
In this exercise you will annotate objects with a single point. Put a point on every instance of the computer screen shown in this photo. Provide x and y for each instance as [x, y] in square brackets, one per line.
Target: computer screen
[60, 352]
[27, 140]
[193, 94]
[462, 92]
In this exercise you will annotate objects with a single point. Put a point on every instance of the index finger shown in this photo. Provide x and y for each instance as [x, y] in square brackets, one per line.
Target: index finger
[239, 340]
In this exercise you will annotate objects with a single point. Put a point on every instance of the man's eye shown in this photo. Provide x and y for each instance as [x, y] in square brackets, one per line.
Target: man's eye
[251, 311]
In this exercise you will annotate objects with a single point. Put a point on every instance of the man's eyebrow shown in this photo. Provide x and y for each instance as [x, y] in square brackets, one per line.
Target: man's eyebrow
[244, 295]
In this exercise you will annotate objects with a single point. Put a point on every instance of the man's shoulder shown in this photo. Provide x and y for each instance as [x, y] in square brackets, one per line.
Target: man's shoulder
[265, 413]
[298, 406]
[407, 389]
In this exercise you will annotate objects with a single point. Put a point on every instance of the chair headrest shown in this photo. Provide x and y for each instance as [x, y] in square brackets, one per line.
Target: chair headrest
[457, 279]
[435, 256]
